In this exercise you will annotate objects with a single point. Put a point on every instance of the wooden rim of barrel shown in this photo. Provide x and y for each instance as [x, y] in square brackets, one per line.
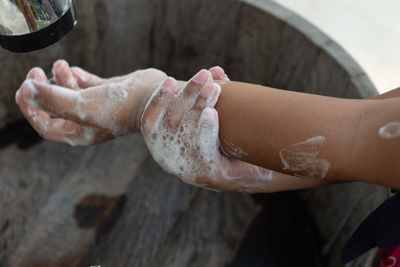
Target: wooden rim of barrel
[363, 83]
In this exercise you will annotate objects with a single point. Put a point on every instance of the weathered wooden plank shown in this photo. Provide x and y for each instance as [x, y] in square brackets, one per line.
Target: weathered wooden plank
[169, 223]
[201, 238]
[44, 223]
[74, 195]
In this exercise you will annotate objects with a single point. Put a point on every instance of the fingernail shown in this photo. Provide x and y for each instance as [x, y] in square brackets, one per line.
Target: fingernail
[201, 77]
[59, 65]
[35, 77]
[60, 62]
[221, 73]
[220, 70]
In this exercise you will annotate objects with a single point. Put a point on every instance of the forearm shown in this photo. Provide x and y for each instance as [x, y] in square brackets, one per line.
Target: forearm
[263, 122]
[378, 152]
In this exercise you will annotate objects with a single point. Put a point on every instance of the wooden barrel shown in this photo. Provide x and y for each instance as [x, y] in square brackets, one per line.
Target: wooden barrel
[111, 205]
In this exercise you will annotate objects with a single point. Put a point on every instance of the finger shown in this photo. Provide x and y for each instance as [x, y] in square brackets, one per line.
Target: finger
[37, 74]
[158, 104]
[207, 140]
[57, 130]
[64, 131]
[202, 100]
[213, 99]
[31, 114]
[218, 73]
[86, 79]
[186, 98]
[55, 100]
[34, 74]
[63, 75]
[207, 98]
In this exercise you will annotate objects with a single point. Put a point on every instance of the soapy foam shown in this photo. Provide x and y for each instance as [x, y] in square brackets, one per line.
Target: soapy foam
[117, 92]
[160, 99]
[44, 126]
[212, 100]
[190, 153]
[87, 137]
[390, 130]
[302, 158]
[107, 115]
[32, 89]
[234, 150]
[254, 180]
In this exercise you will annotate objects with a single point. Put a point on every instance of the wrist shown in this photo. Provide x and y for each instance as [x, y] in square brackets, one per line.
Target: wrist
[377, 154]
[351, 141]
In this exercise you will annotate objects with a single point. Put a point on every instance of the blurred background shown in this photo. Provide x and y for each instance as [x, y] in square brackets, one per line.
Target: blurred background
[367, 29]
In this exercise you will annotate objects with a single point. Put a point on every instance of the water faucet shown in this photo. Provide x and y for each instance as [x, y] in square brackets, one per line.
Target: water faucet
[28, 25]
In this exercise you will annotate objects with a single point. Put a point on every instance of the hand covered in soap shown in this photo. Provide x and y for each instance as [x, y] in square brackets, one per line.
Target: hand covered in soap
[180, 127]
[83, 109]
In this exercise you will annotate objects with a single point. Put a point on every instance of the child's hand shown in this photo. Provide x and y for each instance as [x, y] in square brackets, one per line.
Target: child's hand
[181, 127]
[84, 109]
